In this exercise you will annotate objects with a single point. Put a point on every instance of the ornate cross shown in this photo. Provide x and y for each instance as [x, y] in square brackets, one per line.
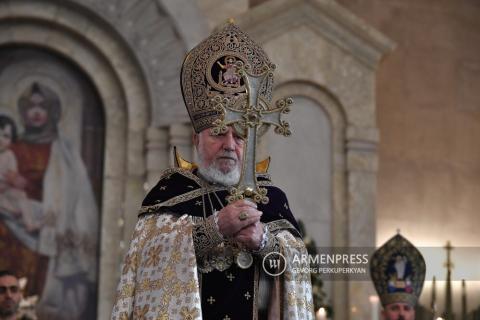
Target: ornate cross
[249, 117]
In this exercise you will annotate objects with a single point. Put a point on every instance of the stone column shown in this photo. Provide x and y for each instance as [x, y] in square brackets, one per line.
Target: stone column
[134, 186]
[157, 155]
[180, 135]
[362, 166]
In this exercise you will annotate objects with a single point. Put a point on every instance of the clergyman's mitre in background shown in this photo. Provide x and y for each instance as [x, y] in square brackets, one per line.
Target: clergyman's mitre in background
[398, 271]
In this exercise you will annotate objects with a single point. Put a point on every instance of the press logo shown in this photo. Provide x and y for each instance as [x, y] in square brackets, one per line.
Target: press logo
[274, 264]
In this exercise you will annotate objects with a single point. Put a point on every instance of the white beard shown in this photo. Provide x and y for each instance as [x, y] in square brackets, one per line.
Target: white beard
[213, 175]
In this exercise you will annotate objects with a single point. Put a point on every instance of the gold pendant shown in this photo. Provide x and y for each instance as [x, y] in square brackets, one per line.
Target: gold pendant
[244, 259]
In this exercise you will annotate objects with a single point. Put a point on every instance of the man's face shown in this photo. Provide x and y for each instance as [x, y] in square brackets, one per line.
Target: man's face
[224, 152]
[5, 137]
[37, 115]
[398, 311]
[10, 295]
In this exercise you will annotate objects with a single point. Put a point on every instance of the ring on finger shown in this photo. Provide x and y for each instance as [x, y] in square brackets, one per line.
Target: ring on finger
[243, 216]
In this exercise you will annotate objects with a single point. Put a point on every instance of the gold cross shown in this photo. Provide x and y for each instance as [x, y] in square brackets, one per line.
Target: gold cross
[249, 116]
[211, 300]
[247, 295]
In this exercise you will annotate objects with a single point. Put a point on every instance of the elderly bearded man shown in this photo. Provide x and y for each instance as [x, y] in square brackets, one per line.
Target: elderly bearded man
[195, 255]
[220, 162]
[398, 272]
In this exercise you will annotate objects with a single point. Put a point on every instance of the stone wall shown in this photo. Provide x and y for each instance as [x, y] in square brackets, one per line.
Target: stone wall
[429, 119]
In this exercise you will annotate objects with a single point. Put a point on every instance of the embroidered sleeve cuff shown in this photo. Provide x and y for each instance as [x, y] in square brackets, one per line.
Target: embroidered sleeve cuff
[215, 218]
[269, 243]
[264, 238]
[206, 236]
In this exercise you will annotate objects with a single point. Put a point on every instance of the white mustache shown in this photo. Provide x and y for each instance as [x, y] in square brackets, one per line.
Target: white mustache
[228, 154]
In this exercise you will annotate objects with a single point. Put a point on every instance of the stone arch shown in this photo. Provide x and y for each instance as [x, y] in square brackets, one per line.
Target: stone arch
[188, 20]
[339, 187]
[337, 116]
[85, 39]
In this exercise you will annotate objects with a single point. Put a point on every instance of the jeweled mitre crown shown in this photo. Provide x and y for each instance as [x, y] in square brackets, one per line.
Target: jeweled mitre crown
[210, 70]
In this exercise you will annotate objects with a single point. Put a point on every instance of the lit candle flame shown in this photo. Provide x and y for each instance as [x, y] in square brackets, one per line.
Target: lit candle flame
[321, 314]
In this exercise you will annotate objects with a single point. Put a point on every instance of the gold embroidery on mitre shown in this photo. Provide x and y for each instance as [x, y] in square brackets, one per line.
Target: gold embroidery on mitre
[398, 271]
[211, 70]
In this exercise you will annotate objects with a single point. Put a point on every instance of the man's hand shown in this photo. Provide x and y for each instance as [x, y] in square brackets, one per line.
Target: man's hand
[251, 236]
[229, 223]
[15, 180]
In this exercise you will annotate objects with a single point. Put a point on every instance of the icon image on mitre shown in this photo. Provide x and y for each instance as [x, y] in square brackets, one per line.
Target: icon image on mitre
[398, 271]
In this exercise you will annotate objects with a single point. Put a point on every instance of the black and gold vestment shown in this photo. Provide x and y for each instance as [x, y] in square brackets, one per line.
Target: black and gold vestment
[178, 268]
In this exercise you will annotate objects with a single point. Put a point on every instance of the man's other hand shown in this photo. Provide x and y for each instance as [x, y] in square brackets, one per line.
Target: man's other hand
[230, 220]
[251, 236]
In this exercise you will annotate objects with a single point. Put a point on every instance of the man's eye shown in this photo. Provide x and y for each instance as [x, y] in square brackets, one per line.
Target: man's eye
[13, 289]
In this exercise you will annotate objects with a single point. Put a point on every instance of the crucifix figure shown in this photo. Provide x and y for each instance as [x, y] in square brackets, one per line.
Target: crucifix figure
[247, 117]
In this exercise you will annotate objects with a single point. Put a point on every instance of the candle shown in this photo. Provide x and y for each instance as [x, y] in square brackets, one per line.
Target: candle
[464, 300]
[374, 303]
[433, 303]
[321, 314]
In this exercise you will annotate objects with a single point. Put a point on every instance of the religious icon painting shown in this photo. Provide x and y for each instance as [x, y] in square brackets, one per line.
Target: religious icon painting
[49, 213]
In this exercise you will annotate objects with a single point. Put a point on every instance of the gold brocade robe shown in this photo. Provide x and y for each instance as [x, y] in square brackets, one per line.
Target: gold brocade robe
[161, 275]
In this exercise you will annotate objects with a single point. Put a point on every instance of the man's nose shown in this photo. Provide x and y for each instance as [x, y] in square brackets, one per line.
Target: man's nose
[8, 293]
[229, 142]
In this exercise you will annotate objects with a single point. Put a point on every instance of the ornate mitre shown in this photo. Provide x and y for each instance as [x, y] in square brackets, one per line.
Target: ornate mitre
[398, 271]
[211, 70]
